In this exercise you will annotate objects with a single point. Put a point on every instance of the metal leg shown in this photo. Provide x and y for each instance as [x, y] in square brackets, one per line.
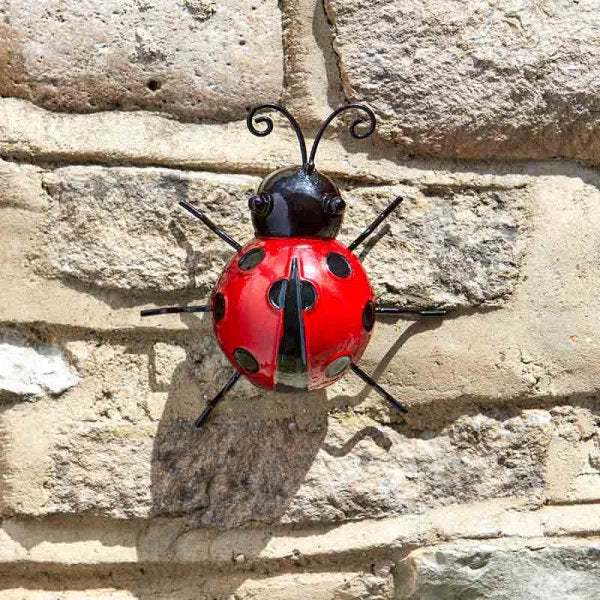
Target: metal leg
[169, 310]
[371, 228]
[212, 403]
[400, 310]
[369, 381]
[202, 217]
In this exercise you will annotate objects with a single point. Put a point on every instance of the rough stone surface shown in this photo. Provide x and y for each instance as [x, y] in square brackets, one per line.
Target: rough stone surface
[333, 585]
[190, 58]
[123, 228]
[574, 465]
[487, 488]
[444, 246]
[482, 79]
[30, 369]
[493, 572]
[21, 187]
[122, 444]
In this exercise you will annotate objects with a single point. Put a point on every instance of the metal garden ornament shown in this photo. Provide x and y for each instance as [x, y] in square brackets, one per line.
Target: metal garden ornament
[293, 309]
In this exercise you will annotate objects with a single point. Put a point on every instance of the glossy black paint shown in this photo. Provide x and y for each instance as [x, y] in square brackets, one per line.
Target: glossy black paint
[172, 310]
[251, 119]
[214, 401]
[295, 203]
[368, 317]
[401, 310]
[393, 205]
[219, 307]
[300, 201]
[251, 259]
[202, 217]
[245, 360]
[338, 265]
[337, 366]
[370, 381]
[277, 293]
[354, 131]
[292, 362]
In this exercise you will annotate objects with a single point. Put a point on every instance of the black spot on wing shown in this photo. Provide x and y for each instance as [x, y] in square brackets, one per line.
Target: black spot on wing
[219, 307]
[308, 295]
[277, 293]
[251, 259]
[337, 366]
[245, 360]
[338, 265]
[368, 316]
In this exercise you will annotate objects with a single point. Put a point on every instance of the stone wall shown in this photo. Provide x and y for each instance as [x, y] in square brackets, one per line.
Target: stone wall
[111, 112]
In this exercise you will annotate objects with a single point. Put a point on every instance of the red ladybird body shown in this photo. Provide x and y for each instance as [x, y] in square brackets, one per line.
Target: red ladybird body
[293, 313]
[294, 310]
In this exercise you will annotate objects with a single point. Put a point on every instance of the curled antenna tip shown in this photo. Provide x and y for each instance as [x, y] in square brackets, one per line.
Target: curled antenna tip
[252, 120]
[355, 132]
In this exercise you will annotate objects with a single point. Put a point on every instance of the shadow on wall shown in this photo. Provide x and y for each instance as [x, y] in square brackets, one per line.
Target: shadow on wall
[241, 468]
[245, 467]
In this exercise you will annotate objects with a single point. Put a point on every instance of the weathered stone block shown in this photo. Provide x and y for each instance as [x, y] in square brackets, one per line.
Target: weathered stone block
[123, 229]
[334, 585]
[122, 444]
[496, 572]
[445, 245]
[21, 187]
[476, 79]
[193, 59]
[574, 458]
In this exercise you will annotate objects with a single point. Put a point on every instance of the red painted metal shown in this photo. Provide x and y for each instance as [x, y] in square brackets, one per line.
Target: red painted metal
[333, 326]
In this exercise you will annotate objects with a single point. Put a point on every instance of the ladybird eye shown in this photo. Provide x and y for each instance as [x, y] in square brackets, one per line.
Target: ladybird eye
[260, 204]
[333, 207]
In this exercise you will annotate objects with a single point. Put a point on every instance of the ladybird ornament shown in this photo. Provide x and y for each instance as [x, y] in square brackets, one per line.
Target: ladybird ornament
[293, 309]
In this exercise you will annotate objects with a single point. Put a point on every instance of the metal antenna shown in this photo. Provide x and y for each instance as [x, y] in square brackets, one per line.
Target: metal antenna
[250, 122]
[353, 128]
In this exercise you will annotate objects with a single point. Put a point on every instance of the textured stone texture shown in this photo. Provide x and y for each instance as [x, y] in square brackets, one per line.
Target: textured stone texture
[121, 444]
[487, 488]
[123, 228]
[574, 459]
[477, 79]
[491, 572]
[444, 246]
[316, 586]
[191, 58]
[28, 369]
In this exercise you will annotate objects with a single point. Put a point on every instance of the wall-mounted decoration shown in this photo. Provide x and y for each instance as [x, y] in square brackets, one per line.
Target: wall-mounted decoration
[294, 310]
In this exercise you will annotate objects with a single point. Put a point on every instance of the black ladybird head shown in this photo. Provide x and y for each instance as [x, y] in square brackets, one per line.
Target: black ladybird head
[293, 202]
[300, 201]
